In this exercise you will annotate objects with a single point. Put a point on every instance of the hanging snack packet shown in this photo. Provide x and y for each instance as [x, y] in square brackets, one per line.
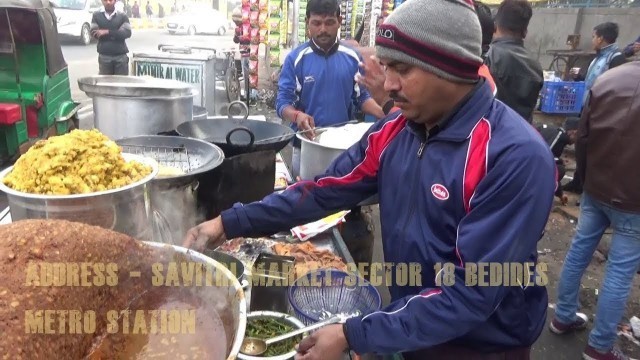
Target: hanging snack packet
[274, 25]
[253, 67]
[264, 5]
[262, 20]
[253, 81]
[274, 57]
[254, 19]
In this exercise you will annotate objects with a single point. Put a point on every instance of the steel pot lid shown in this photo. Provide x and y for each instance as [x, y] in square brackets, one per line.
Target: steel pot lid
[192, 156]
[133, 86]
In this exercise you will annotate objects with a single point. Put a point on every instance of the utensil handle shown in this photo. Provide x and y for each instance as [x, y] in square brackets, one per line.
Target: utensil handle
[242, 105]
[252, 137]
[306, 131]
[331, 320]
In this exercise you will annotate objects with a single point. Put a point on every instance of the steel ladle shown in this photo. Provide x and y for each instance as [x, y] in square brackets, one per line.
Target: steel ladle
[319, 129]
[253, 346]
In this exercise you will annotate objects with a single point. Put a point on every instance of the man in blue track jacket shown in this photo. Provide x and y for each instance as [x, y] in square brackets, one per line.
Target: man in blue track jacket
[317, 85]
[463, 181]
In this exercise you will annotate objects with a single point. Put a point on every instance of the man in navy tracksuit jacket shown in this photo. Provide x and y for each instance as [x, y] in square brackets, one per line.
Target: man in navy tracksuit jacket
[462, 179]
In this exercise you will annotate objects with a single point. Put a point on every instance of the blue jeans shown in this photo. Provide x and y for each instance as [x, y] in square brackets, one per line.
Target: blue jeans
[622, 264]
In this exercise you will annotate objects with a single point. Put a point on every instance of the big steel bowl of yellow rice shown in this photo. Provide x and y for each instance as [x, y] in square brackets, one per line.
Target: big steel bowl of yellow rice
[82, 176]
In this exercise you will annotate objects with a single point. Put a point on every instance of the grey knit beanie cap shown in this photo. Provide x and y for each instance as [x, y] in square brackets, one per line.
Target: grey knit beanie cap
[441, 36]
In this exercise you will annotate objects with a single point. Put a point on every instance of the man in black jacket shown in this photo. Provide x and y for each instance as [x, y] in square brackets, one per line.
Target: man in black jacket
[517, 74]
[111, 28]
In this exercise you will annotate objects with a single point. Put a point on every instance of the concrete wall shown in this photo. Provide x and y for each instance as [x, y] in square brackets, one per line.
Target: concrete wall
[549, 28]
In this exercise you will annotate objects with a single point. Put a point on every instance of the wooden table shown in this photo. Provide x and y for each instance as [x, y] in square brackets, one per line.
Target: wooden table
[564, 60]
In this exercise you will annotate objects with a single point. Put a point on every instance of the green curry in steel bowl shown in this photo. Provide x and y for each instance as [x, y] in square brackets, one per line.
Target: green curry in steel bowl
[269, 324]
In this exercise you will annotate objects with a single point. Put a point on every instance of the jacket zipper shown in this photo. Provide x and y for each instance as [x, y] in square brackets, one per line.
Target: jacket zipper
[412, 206]
[421, 149]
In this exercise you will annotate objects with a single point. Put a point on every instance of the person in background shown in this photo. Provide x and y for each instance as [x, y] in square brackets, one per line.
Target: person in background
[149, 10]
[632, 49]
[487, 25]
[558, 138]
[135, 10]
[608, 56]
[518, 75]
[111, 28]
[316, 85]
[461, 180]
[608, 130]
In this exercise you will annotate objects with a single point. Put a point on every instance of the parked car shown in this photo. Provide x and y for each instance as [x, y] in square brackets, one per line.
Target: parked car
[198, 21]
[74, 18]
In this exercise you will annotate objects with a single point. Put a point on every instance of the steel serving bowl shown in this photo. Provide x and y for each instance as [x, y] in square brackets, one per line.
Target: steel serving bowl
[234, 295]
[291, 320]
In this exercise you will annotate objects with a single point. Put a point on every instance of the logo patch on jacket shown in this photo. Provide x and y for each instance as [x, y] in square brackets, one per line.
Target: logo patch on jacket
[308, 79]
[439, 192]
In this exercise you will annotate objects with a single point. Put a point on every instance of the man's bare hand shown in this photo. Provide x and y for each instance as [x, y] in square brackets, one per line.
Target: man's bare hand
[636, 47]
[327, 343]
[305, 122]
[209, 234]
[373, 79]
[99, 33]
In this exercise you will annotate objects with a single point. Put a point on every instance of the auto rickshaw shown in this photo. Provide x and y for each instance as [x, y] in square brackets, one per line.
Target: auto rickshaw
[35, 93]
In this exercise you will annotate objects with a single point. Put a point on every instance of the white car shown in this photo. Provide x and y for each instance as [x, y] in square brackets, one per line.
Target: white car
[200, 21]
[74, 18]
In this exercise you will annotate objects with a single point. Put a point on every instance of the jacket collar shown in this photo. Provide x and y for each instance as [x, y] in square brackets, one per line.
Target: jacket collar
[608, 49]
[508, 40]
[457, 125]
[318, 50]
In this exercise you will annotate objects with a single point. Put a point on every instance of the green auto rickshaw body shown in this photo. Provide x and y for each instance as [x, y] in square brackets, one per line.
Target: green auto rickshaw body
[33, 75]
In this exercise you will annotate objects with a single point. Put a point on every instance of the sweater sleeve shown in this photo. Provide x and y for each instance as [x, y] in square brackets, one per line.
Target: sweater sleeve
[94, 22]
[124, 32]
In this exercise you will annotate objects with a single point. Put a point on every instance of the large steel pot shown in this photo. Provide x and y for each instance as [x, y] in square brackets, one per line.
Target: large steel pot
[174, 200]
[232, 305]
[124, 210]
[126, 106]
[199, 113]
[315, 159]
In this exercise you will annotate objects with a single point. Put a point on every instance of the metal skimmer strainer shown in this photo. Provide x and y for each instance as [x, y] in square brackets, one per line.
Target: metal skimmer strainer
[192, 156]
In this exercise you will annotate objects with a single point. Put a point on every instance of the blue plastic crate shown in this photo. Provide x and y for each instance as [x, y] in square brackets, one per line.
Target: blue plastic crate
[562, 97]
